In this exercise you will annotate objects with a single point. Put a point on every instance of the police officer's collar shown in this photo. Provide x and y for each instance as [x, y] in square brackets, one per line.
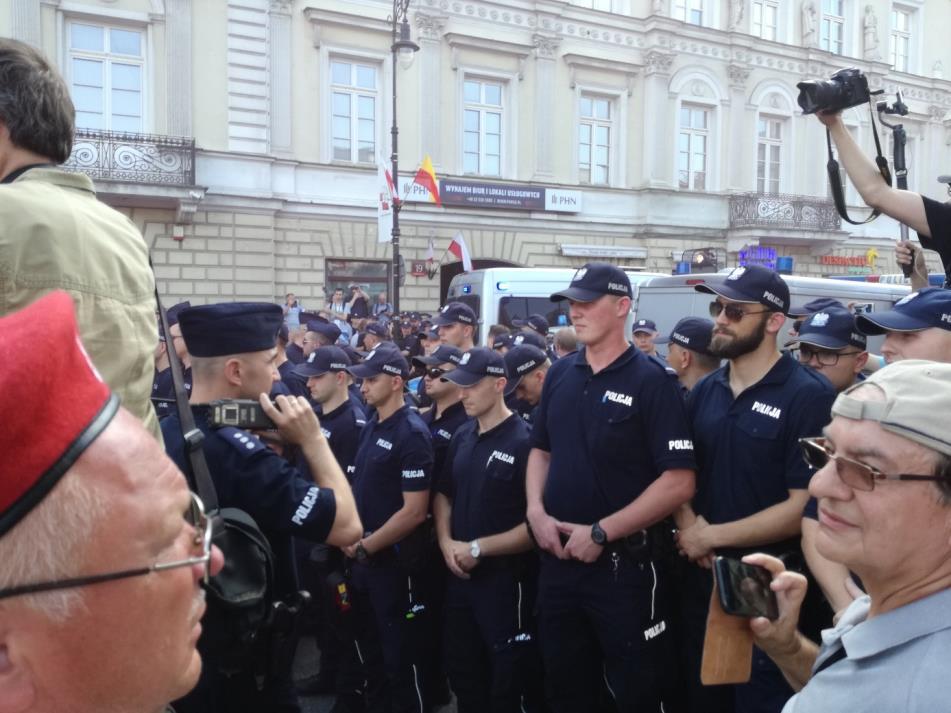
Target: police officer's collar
[449, 411]
[480, 435]
[339, 410]
[630, 353]
[778, 374]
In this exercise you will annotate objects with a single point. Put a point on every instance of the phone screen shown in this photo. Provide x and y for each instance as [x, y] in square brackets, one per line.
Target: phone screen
[744, 589]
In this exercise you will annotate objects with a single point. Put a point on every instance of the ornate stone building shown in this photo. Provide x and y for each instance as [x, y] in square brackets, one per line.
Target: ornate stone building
[242, 135]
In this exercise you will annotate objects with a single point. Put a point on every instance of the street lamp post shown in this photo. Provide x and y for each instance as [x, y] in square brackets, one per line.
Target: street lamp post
[403, 50]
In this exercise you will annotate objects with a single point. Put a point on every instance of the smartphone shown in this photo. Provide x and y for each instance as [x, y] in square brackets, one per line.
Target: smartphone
[744, 589]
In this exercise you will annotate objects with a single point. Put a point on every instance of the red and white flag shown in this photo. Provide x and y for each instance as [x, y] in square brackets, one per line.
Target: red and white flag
[384, 212]
[431, 251]
[459, 248]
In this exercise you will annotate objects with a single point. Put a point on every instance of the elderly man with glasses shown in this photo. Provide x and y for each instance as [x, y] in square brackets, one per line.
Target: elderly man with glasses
[103, 547]
[883, 481]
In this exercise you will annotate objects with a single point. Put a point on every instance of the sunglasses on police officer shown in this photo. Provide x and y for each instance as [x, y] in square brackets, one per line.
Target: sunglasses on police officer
[734, 313]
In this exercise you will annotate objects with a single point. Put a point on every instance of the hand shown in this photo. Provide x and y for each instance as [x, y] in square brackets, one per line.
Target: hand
[448, 554]
[461, 552]
[580, 546]
[694, 541]
[908, 254]
[545, 531]
[829, 118]
[779, 637]
[296, 420]
[351, 550]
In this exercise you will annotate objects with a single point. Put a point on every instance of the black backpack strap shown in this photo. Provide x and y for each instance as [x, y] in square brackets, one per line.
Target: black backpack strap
[193, 437]
[835, 176]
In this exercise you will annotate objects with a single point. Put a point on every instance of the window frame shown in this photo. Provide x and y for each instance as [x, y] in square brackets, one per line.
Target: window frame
[769, 142]
[484, 109]
[777, 6]
[842, 21]
[913, 11]
[708, 133]
[613, 123]
[325, 99]
[508, 148]
[145, 61]
[355, 92]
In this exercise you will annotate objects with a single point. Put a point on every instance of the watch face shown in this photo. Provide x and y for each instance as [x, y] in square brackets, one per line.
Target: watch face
[597, 535]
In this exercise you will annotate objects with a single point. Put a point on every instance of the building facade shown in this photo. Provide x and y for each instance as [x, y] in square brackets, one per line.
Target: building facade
[243, 136]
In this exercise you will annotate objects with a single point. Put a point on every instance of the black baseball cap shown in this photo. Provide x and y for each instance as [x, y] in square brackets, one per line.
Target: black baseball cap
[476, 364]
[832, 328]
[520, 361]
[533, 321]
[503, 340]
[814, 306]
[443, 354]
[693, 333]
[752, 284]
[645, 325]
[527, 336]
[331, 331]
[593, 281]
[455, 312]
[323, 360]
[377, 330]
[385, 358]
[927, 308]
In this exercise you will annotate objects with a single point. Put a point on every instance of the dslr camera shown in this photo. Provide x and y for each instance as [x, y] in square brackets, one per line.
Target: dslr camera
[846, 88]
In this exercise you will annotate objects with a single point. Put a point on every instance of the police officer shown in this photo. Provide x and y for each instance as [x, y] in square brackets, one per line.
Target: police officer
[163, 390]
[751, 489]
[447, 413]
[408, 340]
[611, 456]
[536, 324]
[917, 327]
[689, 351]
[479, 509]
[391, 485]
[233, 352]
[374, 334]
[527, 366]
[644, 332]
[456, 324]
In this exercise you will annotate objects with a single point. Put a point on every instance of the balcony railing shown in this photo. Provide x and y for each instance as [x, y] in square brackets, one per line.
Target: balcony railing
[779, 210]
[133, 158]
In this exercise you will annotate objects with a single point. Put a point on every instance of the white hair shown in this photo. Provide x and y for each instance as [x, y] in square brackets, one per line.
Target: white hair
[50, 544]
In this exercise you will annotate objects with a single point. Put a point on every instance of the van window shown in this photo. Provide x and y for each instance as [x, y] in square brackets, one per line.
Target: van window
[521, 307]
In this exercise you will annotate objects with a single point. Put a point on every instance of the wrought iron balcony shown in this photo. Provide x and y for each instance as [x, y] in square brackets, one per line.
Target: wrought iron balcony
[779, 210]
[133, 158]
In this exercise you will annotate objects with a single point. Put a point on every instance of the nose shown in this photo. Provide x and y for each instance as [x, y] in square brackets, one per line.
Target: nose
[826, 483]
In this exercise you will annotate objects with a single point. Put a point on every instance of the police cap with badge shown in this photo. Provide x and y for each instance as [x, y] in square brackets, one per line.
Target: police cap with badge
[522, 360]
[322, 361]
[925, 309]
[385, 358]
[752, 284]
[455, 312]
[832, 328]
[475, 365]
[593, 281]
[693, 333]
[443, 354]
[535, 322]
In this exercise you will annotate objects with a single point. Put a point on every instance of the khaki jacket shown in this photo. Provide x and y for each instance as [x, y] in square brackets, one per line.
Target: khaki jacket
[55, 234]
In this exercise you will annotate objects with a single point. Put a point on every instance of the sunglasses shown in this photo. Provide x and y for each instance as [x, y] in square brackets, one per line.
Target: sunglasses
[859, 476]
[194, 515]
[734, 313]
[435, 372]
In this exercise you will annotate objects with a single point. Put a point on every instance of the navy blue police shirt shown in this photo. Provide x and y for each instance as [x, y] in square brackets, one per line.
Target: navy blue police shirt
[748, 447]
[294, 353]
[342, 428]
[610, 434]
[442, 430]
[295, 383]
[484, 478]
[393, 457]
[250, 476]
[163, 391]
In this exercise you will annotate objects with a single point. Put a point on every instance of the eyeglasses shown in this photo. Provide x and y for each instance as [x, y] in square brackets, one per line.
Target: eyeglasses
[194, 516]
[435, 372]
[734, 313]
[856, 475]
[823, 356]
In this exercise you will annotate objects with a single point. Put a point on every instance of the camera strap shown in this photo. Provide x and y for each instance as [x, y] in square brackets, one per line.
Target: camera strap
[202, 484]
[835, 176]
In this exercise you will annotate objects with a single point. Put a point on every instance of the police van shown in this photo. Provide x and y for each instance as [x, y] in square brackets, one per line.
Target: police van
[668, 299]
[499, 295]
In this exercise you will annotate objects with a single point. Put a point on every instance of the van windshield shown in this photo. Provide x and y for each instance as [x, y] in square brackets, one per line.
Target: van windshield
[521, 307]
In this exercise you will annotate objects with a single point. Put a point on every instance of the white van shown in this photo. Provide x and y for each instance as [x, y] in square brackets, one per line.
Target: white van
[500, 294]
[667, 299]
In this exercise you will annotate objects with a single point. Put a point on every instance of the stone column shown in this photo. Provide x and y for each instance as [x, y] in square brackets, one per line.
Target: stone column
[178, 59]
[26, 21]
[735, 130]
[546, 50]
[657, 120]
[279, 48]
[429, 28]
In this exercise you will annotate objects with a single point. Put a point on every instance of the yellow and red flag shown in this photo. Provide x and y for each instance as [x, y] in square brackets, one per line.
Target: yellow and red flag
[426, 177]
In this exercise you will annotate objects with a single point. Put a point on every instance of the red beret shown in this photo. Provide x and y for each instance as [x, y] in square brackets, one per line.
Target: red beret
[50, 415]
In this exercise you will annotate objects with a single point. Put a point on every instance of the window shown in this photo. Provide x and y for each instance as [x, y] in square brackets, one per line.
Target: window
[354, 102]
[832, 35]
[603, 5]
[692, 147]
[106, 67]
[689, 11]
[765, 14]
[900, 39]
[482, 127]
[594, 140]
[769, 149]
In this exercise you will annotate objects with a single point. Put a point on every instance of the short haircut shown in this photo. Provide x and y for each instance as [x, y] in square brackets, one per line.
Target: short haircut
[566, 340]
[706, 361]
[497, 330]
[34, 102]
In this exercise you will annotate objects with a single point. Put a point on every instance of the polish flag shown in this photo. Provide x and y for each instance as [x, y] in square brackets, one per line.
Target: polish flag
[431, 251]
[459, 248]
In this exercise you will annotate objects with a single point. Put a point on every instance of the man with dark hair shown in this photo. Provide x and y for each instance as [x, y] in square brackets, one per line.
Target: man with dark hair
[54, 234]
[747, 419]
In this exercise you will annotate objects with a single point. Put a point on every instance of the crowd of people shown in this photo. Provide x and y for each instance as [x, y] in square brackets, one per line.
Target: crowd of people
[528, 526]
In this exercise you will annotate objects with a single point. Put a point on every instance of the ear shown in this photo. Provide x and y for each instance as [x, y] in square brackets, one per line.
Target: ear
[233, 371]
[775, 322]
[860, 362]
[17, 688]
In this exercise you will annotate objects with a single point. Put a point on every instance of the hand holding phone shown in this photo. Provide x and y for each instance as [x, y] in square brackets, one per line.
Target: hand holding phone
[744, 589]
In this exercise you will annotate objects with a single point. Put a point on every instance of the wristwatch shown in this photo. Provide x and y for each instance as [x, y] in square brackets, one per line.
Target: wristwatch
[598, 535]
[475, 550]
[362, 554]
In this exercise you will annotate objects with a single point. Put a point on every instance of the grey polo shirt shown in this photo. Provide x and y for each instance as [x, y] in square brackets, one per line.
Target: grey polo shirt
[895, 662]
